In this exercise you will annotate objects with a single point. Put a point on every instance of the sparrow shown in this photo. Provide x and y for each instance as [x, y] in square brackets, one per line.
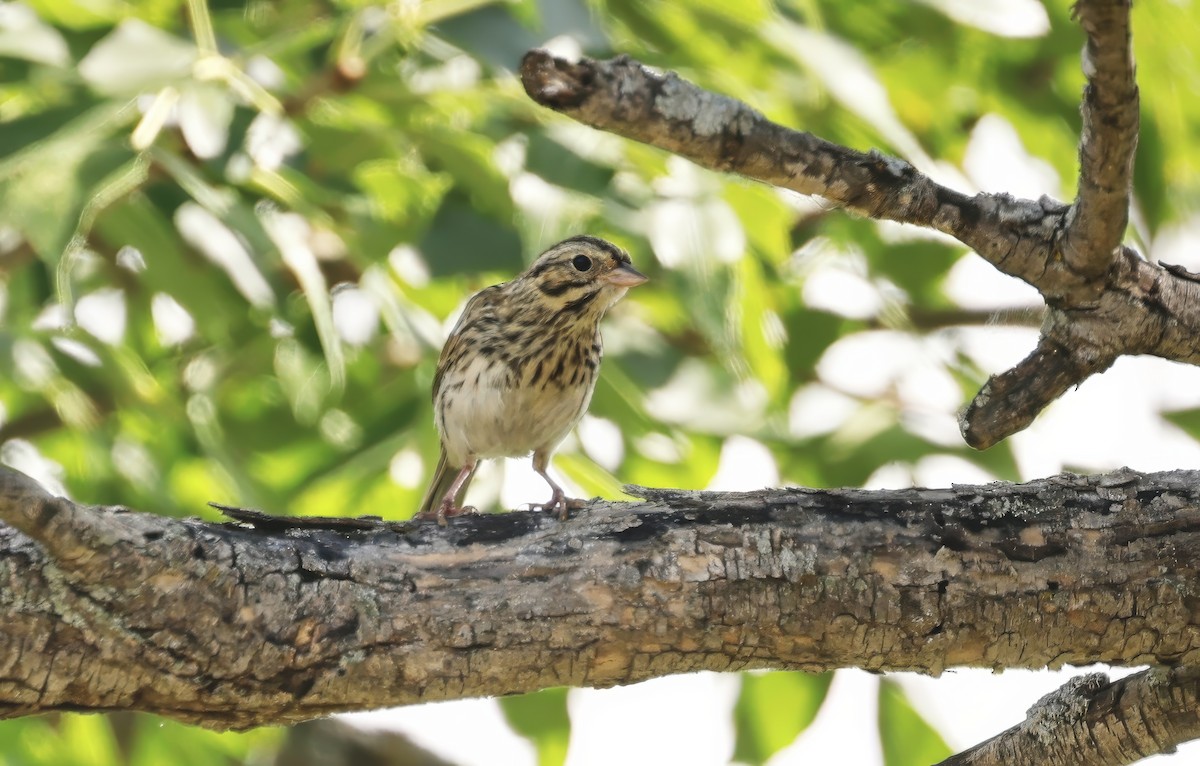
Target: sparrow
[517, 372]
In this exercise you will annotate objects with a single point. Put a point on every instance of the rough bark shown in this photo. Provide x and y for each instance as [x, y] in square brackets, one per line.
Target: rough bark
[1093, 721]
[269, 621]
[1104, 300]
[1097, 220]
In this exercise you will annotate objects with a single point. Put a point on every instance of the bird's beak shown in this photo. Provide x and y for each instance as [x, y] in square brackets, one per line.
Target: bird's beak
[625, 276]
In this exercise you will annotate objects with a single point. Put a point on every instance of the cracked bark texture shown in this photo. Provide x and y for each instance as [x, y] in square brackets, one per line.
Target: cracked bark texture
[1091, 720]
[1103, 299]
[268, 622]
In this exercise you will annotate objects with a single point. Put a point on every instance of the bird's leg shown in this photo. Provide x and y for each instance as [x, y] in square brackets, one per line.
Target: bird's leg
[449, 505]
[559, 501]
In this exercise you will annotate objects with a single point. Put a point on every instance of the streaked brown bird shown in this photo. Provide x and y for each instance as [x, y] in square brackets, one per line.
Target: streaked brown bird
[518, 370]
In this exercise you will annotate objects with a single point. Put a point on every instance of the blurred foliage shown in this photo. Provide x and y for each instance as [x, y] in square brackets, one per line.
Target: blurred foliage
[1189, 420]
[542, 718]
[232, 235]
[906, 738]
[773, 709]
[127, 740]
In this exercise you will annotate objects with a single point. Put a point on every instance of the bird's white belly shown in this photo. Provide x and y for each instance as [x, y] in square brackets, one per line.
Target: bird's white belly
[489, 419]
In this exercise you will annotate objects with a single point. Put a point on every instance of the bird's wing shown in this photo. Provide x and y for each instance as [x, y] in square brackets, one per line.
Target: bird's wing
[481, 304]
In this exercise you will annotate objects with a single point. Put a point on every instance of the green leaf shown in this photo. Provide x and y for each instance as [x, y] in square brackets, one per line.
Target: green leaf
[760, 332]
[592, 478]
[919, 268]
[305, 381]
[401, 192]
[80, 14]
[765, 219]
[22, 138]
[499, 35]
[291, 234]
[136, 222]
[906, 737]
[468, 158]
[47, 181]
[542, 718]
[809, 334]
[161, 741]
[1188, 420]
[30, 741]
[463, 241]
[773, 709]
[1149, 178]
[88, 741]
[563, 167]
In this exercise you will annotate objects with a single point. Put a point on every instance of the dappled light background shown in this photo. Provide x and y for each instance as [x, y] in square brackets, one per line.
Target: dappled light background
[233, 235]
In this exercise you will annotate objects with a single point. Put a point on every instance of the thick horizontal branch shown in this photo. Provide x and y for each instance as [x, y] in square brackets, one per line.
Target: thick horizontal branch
[1094, 720]
[1130, 307]
[239, 625]
[1108, 142]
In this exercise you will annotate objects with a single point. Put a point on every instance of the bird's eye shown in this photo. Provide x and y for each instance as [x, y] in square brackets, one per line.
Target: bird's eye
[581, 263]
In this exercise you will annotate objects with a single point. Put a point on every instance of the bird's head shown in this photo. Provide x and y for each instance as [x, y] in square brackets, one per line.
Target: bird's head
[583, 275]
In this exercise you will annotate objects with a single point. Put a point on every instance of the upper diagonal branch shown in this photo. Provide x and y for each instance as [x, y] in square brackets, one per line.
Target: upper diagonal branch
[664, 110]
[1097, 313]
[1096, 223]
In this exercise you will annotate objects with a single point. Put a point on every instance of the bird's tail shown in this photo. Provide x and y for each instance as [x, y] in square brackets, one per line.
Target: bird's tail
[439, 484]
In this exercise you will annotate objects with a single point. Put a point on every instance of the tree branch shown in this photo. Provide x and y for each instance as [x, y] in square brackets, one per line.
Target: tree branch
[330, 742]
[940, 319]
[1097, 220]
[1041, 377]
[271, 621]
[1093, 720]
[624, 97]
[1134, 307]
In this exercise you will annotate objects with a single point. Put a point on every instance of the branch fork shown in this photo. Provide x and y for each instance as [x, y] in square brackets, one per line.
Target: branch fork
[1104, 300]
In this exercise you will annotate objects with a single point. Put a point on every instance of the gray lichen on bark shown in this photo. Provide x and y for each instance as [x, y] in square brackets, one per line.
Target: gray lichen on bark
[709, 113]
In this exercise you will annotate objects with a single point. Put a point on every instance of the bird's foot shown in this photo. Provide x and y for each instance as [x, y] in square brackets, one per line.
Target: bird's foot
[560, 505]
[444, 511]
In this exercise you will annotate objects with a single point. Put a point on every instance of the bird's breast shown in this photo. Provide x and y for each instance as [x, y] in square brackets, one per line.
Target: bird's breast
[510, 405]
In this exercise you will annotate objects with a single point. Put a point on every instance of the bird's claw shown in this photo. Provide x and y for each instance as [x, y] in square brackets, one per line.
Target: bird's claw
[560, 505]
[444, 511]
